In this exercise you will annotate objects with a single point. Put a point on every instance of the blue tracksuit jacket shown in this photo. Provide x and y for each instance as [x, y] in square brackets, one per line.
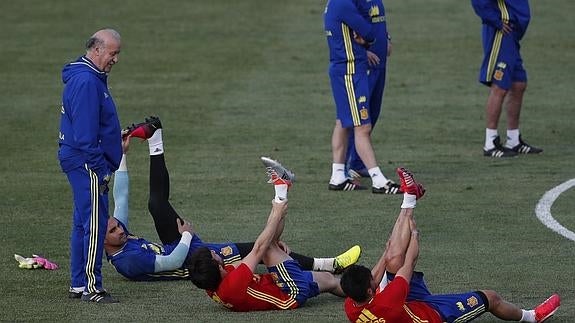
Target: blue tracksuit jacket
[90, 132]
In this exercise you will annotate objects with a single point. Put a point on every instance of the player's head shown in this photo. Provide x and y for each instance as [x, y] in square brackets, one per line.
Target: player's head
[357, 283]
[205, 269]
[115, 234]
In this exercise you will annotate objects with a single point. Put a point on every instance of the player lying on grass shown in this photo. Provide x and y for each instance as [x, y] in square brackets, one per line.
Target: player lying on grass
[139, 259]
[406, 298]
[286, 285]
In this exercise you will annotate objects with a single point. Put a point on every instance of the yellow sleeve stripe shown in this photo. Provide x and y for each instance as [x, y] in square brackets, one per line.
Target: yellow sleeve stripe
[504, 12]
[346, 32]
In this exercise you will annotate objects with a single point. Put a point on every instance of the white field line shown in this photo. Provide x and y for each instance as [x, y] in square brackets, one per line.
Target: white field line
[543, 209]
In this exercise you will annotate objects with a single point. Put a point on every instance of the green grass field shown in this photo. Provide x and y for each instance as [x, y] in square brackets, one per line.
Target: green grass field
[234, 80]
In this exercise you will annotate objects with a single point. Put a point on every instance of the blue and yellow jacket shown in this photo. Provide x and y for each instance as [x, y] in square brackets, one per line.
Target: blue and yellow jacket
[341, 19]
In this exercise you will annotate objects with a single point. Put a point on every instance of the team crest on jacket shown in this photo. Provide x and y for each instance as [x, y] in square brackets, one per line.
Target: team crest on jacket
[226, 251]
[364, 115]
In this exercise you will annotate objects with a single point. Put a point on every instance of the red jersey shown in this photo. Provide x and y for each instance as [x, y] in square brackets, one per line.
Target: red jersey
[390, 306]
[242, 290]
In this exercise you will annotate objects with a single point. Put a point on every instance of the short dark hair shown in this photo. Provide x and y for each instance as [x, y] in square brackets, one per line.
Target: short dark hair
[355, 282]
[204, 270]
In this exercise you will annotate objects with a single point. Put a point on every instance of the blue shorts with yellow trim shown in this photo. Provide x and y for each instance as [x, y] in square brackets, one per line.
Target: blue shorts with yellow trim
[461, 307]
[351, 96]
[502, 63]
[294, 281]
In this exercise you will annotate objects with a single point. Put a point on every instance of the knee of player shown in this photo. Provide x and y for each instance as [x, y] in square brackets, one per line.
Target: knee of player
[394, 261]
[496, 90]
[493, 299]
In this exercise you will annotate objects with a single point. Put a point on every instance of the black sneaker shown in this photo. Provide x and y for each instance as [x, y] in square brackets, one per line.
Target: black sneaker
[348, 185]
[499, 151]
[525, 148]
[389, 188]
[74, 295]
[99, 297]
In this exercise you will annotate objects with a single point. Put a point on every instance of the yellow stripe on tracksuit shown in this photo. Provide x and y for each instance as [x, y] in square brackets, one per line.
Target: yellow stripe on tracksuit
[229, 261]
[366, 316]
[93, 242]
[281, 304]
[285, 276]
[471, 315]
[180, 273]
[347, 41]
[496, 46]
[414, 317]
[350, 90]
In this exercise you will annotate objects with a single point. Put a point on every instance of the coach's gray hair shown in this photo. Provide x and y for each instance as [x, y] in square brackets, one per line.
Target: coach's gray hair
[95, 41]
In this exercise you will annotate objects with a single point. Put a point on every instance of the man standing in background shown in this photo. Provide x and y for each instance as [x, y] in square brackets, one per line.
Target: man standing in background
[90, 150]
[504, 24]
[377, 54]
[348, 35]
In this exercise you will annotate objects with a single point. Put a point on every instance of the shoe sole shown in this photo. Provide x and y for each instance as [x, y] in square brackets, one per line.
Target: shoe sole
[281, 171]
[547, 317]
[73, 295]
[385, 191]
[346, 186]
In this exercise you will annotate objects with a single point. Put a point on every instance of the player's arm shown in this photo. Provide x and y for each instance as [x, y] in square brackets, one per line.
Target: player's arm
[411, 254]
[177, 257]
[378, 269]
[486, 10]
[121, 190]
[350, 16]
[121, 193]
[269, 233]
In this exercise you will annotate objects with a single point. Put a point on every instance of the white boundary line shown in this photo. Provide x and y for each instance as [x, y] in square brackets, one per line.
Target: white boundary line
[543, 209]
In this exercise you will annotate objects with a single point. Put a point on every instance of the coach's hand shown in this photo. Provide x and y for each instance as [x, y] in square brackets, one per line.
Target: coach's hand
[103, 189]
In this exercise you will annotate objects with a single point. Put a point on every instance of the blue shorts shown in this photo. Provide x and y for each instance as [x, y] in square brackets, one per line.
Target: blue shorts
[502, 63]
[294, 281]
[351, 96]
[463, 307]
